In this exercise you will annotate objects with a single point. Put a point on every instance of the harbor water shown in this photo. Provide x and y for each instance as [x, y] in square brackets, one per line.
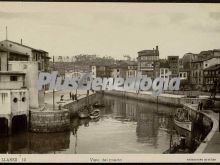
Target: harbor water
[125, 126]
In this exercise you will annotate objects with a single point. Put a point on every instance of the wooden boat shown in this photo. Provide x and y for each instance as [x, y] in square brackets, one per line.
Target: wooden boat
[94, 114]
[184, 122]
[187, 125]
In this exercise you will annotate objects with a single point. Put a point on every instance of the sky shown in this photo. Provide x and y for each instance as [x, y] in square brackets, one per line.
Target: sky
[112, 29]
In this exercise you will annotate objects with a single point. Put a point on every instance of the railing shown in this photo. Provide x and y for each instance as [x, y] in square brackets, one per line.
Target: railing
[187, 93]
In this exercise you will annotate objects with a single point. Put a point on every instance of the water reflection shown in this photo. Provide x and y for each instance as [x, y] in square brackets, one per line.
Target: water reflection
[124, 126]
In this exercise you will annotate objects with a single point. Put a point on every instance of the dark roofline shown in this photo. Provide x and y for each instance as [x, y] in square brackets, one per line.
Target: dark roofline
[39, 50]
[25, 46]
[11, 73]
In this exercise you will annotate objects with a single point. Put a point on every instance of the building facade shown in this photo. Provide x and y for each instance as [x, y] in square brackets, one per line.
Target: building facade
[132, 70]
[146, 61]
[100, 71]
[212, 74]
[174, 65]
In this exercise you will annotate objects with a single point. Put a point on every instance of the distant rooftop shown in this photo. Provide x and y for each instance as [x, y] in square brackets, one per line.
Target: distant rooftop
[154, 52]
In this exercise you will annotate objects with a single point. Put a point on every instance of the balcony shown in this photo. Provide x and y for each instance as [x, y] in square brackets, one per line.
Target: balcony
[11, 85]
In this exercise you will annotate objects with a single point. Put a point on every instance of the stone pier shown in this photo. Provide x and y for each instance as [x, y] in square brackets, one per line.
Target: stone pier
[48, 120]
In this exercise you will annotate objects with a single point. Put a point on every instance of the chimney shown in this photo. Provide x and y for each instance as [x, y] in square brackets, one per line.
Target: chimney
[156, 47]
[21, 41]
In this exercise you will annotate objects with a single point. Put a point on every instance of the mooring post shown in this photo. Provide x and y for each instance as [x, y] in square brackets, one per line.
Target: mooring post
[27, 122]
[9, 125]
[157, 104]
[219, 121]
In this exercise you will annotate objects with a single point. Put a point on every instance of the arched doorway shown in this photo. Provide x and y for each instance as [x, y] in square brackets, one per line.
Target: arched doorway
[19, 123]
[3, 126]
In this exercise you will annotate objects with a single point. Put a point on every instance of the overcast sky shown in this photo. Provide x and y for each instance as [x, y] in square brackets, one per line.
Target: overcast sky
[113, 29]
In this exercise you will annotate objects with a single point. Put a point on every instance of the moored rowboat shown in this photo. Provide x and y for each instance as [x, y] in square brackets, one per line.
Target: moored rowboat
[95, 114]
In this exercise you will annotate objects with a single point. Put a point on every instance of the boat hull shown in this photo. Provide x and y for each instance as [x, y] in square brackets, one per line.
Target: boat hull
[95, 114]
[187, 125]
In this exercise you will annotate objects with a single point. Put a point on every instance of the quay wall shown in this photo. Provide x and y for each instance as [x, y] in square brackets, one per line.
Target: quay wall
[146, 97]
[49, 121]
[74, 106]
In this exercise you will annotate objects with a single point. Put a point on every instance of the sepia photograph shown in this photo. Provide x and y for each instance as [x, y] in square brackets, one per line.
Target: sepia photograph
[120, 79]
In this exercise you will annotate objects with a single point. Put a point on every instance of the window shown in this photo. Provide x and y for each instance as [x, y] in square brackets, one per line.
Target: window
[39, 66]
[13, 78]
[23, 99]
[15, 100]
[117, 70]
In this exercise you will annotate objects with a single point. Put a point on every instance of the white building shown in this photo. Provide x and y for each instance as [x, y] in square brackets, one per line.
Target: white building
[132, 70]
[93, 72]
[183, 75]
[165, 73]
[14, 97]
